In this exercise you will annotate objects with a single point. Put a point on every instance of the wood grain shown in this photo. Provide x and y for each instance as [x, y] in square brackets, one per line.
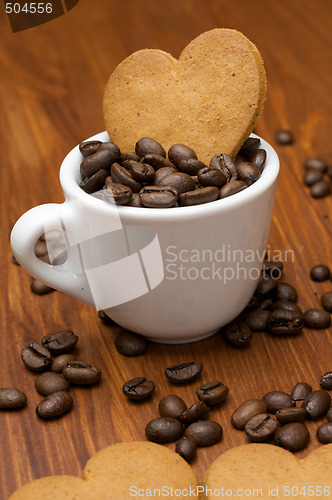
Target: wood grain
[51, 87]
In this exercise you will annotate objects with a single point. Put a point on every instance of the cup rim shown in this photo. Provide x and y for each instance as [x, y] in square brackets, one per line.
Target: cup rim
[70, 177]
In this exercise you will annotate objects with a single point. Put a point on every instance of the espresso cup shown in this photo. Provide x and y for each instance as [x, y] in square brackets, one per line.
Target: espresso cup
[174, 275]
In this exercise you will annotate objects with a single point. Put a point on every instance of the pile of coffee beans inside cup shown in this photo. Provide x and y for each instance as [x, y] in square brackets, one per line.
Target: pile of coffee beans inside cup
[58, 369]
[318, 177]
[187, 426]
[147, 178]
[277, 418]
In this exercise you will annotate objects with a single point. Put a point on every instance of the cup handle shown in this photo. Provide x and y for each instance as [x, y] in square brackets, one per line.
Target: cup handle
[67, 277]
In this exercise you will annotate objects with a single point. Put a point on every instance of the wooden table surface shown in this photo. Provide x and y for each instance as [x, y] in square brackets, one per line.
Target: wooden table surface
[51, 87]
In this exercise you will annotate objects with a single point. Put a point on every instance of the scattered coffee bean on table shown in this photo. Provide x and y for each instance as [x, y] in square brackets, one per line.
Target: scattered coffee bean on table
[261, 428]
[246, 411]
[186, 448]
[61, 361]
[237, 333]
[55, 405]
[293, 414]
[293, 436]
[301, 391]
[317, 404]
[284, 137]
[172, 406]
[50, 382]
[40, 288]
[212, 393]
[11, 398]
[36, 357]
[321, 272]
[164, 430]
[204, 433]
[276, 400]
[197, 411]
[326, 301]
[138, 388]
[130, 344]
[183, 373]
[257, 320]
[326, 381]
[324, 433]
[329, 415]
[80, 373]
[317, 318]
[284, 322]
[60, 342]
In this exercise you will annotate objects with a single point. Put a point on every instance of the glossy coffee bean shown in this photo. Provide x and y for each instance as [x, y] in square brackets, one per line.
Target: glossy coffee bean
[186, 448]
[162, 172]
[248, 173]
[164, 430]
[257, 320]
[293, 414]
[311, 176]
[183, 373]
[141, 172]
[317, 404]
[208, 176]
[138, 388]
[158, 196]
[89, 147]
[258, 159]
[246, 411]
[326, 301]
[249, 147]
[54, 405]
[80, 373]
[286, 305]
[50, 382]
[324, 433]
[11, 398]
[212, 393]
[284, 137]
[40, 288]
[326, 381]
[130, 344]
[237, 334]
[285, 291]
[321, 189]
[284, 322]
[178, 180]
[122, 175]
[95, 182]
[204, 433]
[61, 361]
[179, 152]
[321, 272]
[36, 357]
[300, 391]
[112, 147]
[191, 166]
[129, 157]
[199, 196]
[316, 164]
[117, 193]
[329, 415]
[231, 188]
[317, 318]
[102, 159]
[157, 161]
[261, 428]
[273, 268]
[225, 164]
[198, 411]
[172, 406]
[135, 201]
[60, 342]
[293, 437]
[146, 145]
[276, 400]
[265, 287]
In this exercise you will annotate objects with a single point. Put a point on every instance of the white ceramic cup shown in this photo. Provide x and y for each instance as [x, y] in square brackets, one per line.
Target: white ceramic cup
[173, 275]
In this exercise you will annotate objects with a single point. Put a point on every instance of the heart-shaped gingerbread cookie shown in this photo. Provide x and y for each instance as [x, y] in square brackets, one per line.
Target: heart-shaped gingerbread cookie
[209, 99]
[266, 471]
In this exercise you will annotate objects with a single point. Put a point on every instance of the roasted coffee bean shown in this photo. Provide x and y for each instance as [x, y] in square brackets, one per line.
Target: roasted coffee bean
[317, 318]
[198, 411]
[162, 172]
[164, 430]
[311, 176]
[11, 398]
[184, 372]
[112, 147]
[36, 357]
[301, 391]
[265, 286]
[130, 344]
[324, 433]
[123, 176]
[249, 147]
[117, 193]
[225, 163]
[261, 428]
[237, 334]
[61, 361]
[248, 173]
[326, 381]
[172, 406]
[130, 157]
[141, 172]
[146, 146]
[231, 188]
[135, 201]
[320, 273]
[60, 342]
[186, 448]
[157, 161]
[284, 322]
[212, 393]
[293, 437]
[199, 196]
[257, 320]
[95, 182]
[105, 318]
[329, 415]
[138, 388]
[204, 433]
[286, 305]
[102, 159]
[178, 180]
[326, 301]
[40, 288]
[179, 152]
[191, 166]
[89, 147]
[276, 400]
[316, 164]
[158, 196]
[320, 189]
[317, 404]
[273, 268]
[49, 382]
[54, 405]
[211, 177]
[264, 304]
[286, 415]
[258, 159]
[285, 291]
[80, 373]
[246, 411]
[284, 137]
